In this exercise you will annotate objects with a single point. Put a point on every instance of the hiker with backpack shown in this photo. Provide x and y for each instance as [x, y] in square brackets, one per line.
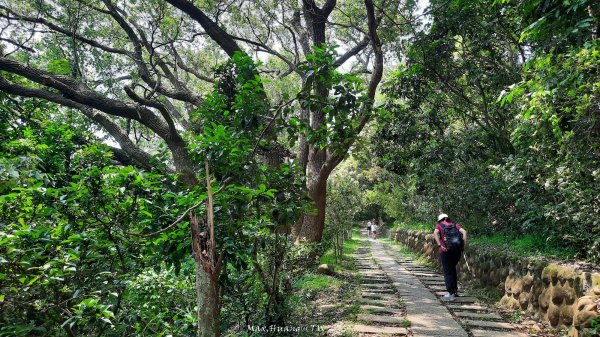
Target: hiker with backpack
[451, 240]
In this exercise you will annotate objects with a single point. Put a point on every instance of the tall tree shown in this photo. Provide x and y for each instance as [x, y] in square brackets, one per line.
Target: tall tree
[141, 68]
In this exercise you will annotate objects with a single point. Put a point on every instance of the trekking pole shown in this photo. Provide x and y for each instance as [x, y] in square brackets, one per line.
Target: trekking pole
[467, 264]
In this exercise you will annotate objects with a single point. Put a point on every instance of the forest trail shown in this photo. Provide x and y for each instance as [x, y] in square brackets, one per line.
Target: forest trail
[403, 299]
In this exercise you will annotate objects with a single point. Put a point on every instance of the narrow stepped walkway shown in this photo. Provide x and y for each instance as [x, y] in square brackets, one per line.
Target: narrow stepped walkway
[430, 317]
[381, 305]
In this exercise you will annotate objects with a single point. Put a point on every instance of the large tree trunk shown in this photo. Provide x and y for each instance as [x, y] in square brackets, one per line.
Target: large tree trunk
[310, 228]
[207, 296]
[320, 163]
[314, 224]
[208, 265]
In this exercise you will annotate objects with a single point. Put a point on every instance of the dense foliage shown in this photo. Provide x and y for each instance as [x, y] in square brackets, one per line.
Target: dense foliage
[68, 263]
[86, 249]
[493, 118]
[154, 173]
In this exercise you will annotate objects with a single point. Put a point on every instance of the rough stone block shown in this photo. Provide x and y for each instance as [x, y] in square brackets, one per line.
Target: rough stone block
[325, 269]
[488, 324]
[379, 329]
[475, 315]
[566, 315]
[553, 315]
[488, 333]
[379, 319]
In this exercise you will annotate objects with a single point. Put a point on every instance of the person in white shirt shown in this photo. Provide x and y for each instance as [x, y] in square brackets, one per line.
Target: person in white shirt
[374, 228]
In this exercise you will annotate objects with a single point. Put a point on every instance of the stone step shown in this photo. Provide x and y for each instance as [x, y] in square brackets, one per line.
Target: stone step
[475, 315]
[382, 291]
[487, 324]
[379, 319]
[465, 299]
[432, 278]
[490, 333]
[375, 275]
[374, 280]
[427, 275]
[466, 307]
[372, 272]
[437, 288]
[370, 277]
[379, 329]
[380, 303]
[375, 308]
[375, 285]
[372, 295]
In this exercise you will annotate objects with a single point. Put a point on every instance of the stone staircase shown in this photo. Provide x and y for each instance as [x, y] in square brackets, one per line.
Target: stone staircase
[477, 319]
[382, 309]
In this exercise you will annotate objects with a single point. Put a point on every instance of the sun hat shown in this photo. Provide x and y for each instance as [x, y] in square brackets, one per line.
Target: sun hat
[442, 216]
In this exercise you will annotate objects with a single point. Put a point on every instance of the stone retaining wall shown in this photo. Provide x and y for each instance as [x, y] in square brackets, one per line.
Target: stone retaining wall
[557, 294]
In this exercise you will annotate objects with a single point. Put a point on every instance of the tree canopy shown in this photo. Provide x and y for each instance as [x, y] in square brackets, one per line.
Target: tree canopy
[173, 167]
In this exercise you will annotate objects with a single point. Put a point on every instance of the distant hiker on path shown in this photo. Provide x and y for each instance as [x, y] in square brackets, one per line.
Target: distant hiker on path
[374, 228]
[451, 240]
[369, 229]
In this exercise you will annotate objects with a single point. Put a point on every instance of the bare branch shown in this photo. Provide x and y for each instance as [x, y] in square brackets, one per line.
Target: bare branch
[179, 63]
[222, 38]
[18, 44]
[353, 51]
[267, 49]
[64, 31]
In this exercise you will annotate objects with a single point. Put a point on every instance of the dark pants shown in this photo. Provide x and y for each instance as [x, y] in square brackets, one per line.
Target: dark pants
[449, 261]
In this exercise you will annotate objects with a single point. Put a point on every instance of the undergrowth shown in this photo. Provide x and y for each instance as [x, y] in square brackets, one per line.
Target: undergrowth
[523, 245]
[319, 299]
[526, 245]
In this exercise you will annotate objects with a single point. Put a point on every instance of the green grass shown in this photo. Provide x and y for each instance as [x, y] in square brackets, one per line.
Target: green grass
[317, 282]
[354, 309]
[416, 226]
[346, 261]
[526, 245]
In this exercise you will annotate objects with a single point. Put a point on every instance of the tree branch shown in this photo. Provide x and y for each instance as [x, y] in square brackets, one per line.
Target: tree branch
[140, 42]
[63, 31]
[141, 158]
[334, 160]
[355, 50]
[220, 36]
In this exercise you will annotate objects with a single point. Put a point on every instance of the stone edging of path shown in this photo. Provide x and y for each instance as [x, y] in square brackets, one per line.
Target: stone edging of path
[479, 320]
